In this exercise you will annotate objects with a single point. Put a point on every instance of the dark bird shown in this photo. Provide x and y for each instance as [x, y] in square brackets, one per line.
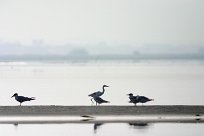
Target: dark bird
[22, 99]
[133, 99]
[98, 93]
[99, 100]
[138, 99]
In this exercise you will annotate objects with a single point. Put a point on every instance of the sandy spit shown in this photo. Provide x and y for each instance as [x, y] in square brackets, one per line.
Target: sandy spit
[101, 110]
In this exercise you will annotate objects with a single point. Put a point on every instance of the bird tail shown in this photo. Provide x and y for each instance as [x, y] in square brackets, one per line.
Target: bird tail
[91, 95]
[106, 102]
[32, 98]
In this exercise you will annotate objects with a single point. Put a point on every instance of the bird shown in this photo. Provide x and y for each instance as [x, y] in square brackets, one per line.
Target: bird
[99, 100]
[138, 99]
[133, 99]
[98, 93]
[22, 99]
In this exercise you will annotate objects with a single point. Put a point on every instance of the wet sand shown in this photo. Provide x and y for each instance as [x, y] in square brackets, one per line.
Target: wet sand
[101, 110]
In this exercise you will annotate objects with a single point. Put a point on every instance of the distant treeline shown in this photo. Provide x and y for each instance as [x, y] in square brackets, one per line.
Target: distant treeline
[87, 57]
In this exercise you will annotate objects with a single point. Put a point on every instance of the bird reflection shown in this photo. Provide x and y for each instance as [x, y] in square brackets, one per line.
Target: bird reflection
[87, 118]
[97, 126]
[15, 124]
[139, 125]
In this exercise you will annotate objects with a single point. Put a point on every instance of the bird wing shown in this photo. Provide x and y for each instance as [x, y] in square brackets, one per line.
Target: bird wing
[100, 100]
[95, 94]
[92, 95]
[143, 97]
[22, 98]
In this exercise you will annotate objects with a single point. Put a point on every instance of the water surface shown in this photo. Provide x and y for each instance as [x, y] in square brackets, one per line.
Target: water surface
[104, 129]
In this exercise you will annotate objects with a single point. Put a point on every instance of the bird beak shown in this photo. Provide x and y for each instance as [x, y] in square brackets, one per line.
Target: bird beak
[12, 96]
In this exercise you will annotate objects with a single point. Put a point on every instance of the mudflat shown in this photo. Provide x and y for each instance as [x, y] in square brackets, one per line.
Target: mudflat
[101, 110]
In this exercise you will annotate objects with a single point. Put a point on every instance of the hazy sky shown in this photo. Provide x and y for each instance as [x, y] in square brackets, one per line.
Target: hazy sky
[133, 22]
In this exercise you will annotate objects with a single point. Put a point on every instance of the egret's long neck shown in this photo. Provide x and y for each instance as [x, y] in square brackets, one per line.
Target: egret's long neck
[103, 89]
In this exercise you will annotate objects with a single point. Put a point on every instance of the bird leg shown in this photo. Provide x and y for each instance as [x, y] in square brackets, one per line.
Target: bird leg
[92, 100]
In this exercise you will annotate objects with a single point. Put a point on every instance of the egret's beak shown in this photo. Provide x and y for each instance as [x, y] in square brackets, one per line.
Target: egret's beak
[130, 94]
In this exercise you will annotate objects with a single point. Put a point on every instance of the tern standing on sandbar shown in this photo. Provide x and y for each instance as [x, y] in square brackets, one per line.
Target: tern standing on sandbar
[133, 99]
[22, 99]
[138, 99]
[98, 93]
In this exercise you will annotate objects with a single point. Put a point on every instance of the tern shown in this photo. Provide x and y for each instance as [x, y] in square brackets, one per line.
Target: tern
[138, 99]
[133, 99]
[22, 99]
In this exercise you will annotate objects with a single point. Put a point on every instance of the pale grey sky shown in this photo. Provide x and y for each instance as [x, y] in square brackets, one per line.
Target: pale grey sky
[132, 22]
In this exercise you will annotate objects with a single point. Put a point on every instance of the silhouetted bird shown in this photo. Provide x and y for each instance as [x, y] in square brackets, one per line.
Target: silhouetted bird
[22, 99]
[133, 99]
[99, 100]
[138, 99]
[98, 93]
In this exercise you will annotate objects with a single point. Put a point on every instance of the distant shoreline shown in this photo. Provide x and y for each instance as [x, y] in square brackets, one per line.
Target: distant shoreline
[103, 57]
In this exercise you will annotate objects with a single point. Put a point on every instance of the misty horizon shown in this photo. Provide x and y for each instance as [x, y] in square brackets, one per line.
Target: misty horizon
[95, 49]
[97, 28]
[17, 52]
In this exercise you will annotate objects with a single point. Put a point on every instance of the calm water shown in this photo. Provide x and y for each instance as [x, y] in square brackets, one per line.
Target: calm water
[179, 82]
[107, 129]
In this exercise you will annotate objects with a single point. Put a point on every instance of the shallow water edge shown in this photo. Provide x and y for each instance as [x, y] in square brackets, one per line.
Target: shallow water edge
[92, 114]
